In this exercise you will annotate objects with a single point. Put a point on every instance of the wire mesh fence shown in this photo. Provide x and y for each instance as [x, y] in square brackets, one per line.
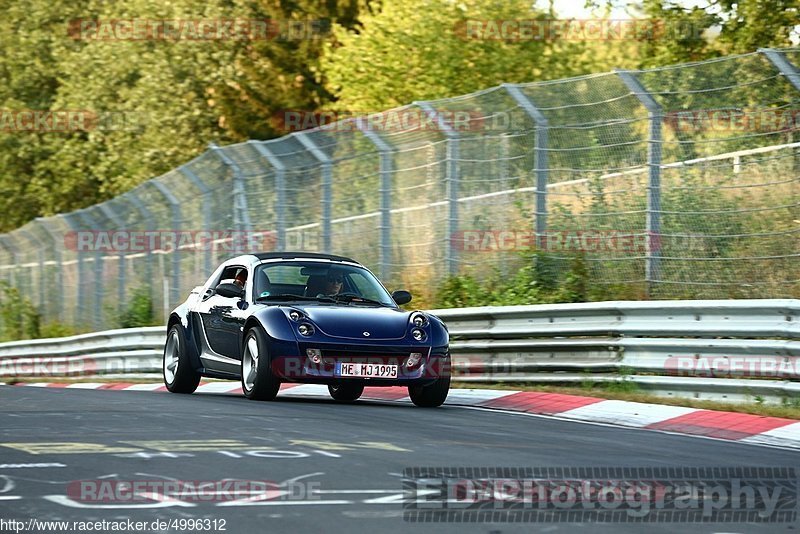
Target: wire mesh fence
[683, 181]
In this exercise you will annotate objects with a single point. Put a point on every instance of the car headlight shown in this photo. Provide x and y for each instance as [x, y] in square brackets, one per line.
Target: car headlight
[306, 329]
[418, 334]
[419, 320]
[295, 315]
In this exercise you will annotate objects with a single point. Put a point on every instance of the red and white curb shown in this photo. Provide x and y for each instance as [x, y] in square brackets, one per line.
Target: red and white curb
[741, 427]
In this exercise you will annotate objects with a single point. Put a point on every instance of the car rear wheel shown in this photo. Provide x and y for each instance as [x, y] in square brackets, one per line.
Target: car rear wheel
[258, 380]
[432, 395]
[179, 376]
[345, 392]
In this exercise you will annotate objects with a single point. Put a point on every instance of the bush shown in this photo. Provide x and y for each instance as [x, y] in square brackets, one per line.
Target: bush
[538, 282]
[140, 311]
[19, 318]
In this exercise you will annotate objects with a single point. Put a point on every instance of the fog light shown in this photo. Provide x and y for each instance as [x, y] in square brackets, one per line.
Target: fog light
[315, 355]
[418, 334]
[414, 359]
[306, 329]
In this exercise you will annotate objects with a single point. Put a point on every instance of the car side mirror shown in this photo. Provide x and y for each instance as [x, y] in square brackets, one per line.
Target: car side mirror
[401, 297]
[230, 291]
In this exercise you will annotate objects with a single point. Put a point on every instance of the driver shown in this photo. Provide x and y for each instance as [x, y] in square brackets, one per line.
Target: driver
[334, 283]
[241, 278]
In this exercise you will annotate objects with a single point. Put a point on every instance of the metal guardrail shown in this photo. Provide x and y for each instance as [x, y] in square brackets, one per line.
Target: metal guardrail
[717, 349]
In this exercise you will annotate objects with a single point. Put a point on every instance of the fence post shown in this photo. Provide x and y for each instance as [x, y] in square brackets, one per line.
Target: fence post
[452, 183]
[14, 257]
[327, 187]
[175, 207]
[111, 216]
[147, 216]
[386, 170]
[31, 237]
[280, 191]
[59, 294]
[206, 208]
[81, 255]
[783, 65]
[90, 223]
[241, 216]
[540, 162]
[652, 265]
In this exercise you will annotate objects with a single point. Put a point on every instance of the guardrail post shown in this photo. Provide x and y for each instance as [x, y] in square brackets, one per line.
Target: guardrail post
[205, 191]
[327, 187]
[241, 216]
[175, 206]
[90, 223]
[280, 191]
[386, 170]
[31, 237]
[111, 216]
[540, 162]
[452, 183]
[654, 114]
[59, 293]
[785, 67]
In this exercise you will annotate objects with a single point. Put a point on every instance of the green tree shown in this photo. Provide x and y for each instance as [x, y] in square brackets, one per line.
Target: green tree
[175, 96]
[418, 50]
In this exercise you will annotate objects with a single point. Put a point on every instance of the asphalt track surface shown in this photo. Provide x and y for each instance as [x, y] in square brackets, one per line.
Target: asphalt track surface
[351, 455]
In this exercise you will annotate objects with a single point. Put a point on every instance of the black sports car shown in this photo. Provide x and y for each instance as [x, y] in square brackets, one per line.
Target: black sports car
[302, 317]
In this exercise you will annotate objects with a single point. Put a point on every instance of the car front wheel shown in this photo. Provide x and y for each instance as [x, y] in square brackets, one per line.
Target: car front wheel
[432, 395]
[179, 376]
[258, 380]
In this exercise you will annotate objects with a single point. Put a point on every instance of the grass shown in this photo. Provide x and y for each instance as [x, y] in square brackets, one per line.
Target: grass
[789, 411]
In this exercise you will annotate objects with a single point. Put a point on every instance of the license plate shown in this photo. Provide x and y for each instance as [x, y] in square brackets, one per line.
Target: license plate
[367, 370]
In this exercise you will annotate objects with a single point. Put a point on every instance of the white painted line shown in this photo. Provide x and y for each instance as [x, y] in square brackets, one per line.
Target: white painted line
[20, 466]
[85, 385]
[785, 436]
[281, 503]
[10, 498]
[306, 390]
[472, 397]
[142, 387]
[220, 387]
[636, 414]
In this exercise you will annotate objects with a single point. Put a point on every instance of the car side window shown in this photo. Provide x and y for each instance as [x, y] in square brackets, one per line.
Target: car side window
[228, 276]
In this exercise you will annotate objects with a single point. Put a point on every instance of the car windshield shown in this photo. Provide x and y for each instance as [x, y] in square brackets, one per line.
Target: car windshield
[323, 281]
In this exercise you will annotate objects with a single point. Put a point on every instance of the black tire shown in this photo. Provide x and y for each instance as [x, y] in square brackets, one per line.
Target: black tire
[176, 369]
[345, 392]
[263, 384]
[430, 396]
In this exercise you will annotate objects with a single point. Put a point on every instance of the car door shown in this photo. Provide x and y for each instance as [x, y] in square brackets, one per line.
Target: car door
[223, 318]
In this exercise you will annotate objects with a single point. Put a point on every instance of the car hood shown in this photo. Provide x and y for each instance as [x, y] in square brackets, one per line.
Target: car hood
[352, 321]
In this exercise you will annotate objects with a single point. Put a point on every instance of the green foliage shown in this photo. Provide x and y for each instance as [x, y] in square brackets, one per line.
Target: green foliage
[175, 96]
[419, 50]
[19, 319]
[56, 330]
[544, 279]
[139, 311]
[461, 292]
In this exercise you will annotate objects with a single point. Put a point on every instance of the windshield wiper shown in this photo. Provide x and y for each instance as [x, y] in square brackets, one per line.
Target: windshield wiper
[284, 296]
[350, 297]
